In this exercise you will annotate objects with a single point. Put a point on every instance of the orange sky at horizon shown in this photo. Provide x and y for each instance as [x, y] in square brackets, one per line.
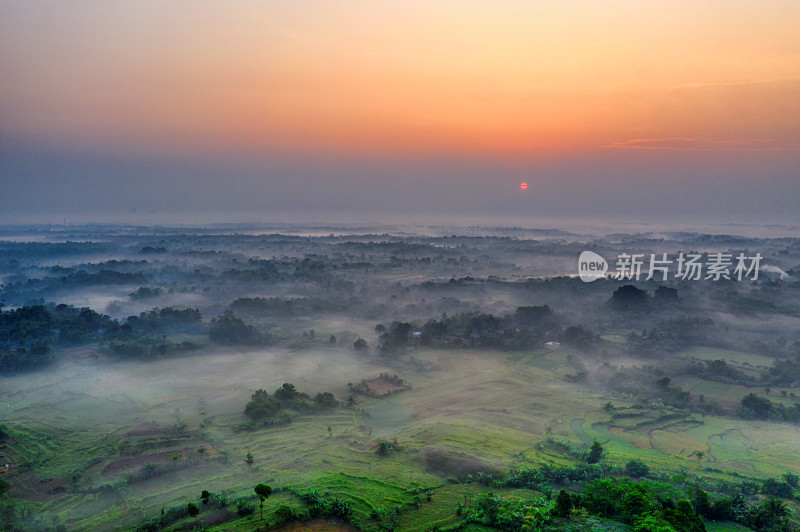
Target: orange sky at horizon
[511, 79]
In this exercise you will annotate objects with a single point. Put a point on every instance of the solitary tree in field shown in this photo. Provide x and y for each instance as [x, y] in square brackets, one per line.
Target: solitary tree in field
[383, 448]
[595, 453]
[263, 491]
[205, 496]
[249, 458]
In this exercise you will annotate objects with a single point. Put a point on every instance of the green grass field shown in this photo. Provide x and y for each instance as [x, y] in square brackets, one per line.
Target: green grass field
[105, 423]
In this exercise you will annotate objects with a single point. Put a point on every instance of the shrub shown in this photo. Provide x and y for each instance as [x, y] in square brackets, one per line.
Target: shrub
[284, 513]
[243, 507]
[636, 469]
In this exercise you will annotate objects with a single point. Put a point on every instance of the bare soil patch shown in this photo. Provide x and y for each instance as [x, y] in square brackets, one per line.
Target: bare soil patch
[131, 463]
[28, 486]
[318, 525]
[212, 519]
[383, 387]
[146, 429]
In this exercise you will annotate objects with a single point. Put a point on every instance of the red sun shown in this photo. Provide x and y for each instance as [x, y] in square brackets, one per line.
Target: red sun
[523, 186]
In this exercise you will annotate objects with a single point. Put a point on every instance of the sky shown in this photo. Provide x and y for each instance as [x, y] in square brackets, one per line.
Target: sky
[349, 110]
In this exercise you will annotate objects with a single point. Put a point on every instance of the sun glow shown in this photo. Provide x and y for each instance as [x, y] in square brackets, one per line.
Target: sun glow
[474, 77]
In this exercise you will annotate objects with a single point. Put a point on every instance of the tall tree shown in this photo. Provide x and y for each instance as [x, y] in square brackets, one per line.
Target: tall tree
[263, 491]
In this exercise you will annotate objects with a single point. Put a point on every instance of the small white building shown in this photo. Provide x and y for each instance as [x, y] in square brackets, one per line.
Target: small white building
[552, 345]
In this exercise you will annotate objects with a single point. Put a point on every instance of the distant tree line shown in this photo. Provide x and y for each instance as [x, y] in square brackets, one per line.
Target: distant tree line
[755, 407]
[81, 278]
[784, 372]
[276, 306]
[27, 333]
[720, 371]
[63, 323]
[228, 329]
[160, 319]
[672, 335]
[526, 328]
[15, 250]
[148, 347]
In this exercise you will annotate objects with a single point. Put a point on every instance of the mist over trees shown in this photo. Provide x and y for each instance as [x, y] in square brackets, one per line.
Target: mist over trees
[480, 365]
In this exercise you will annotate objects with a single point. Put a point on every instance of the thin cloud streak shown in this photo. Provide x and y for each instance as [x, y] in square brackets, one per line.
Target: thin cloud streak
[693, 144]
[734, 83]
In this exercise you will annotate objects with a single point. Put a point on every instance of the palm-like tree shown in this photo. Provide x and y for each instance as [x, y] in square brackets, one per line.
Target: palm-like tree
[771, 511]
[263, 491]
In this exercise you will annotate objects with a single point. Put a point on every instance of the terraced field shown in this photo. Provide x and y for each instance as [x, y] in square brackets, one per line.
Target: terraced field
[132, 436]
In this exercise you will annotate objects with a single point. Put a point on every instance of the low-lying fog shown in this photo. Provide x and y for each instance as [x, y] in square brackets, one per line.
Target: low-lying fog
[129, 355]
[149, 392]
